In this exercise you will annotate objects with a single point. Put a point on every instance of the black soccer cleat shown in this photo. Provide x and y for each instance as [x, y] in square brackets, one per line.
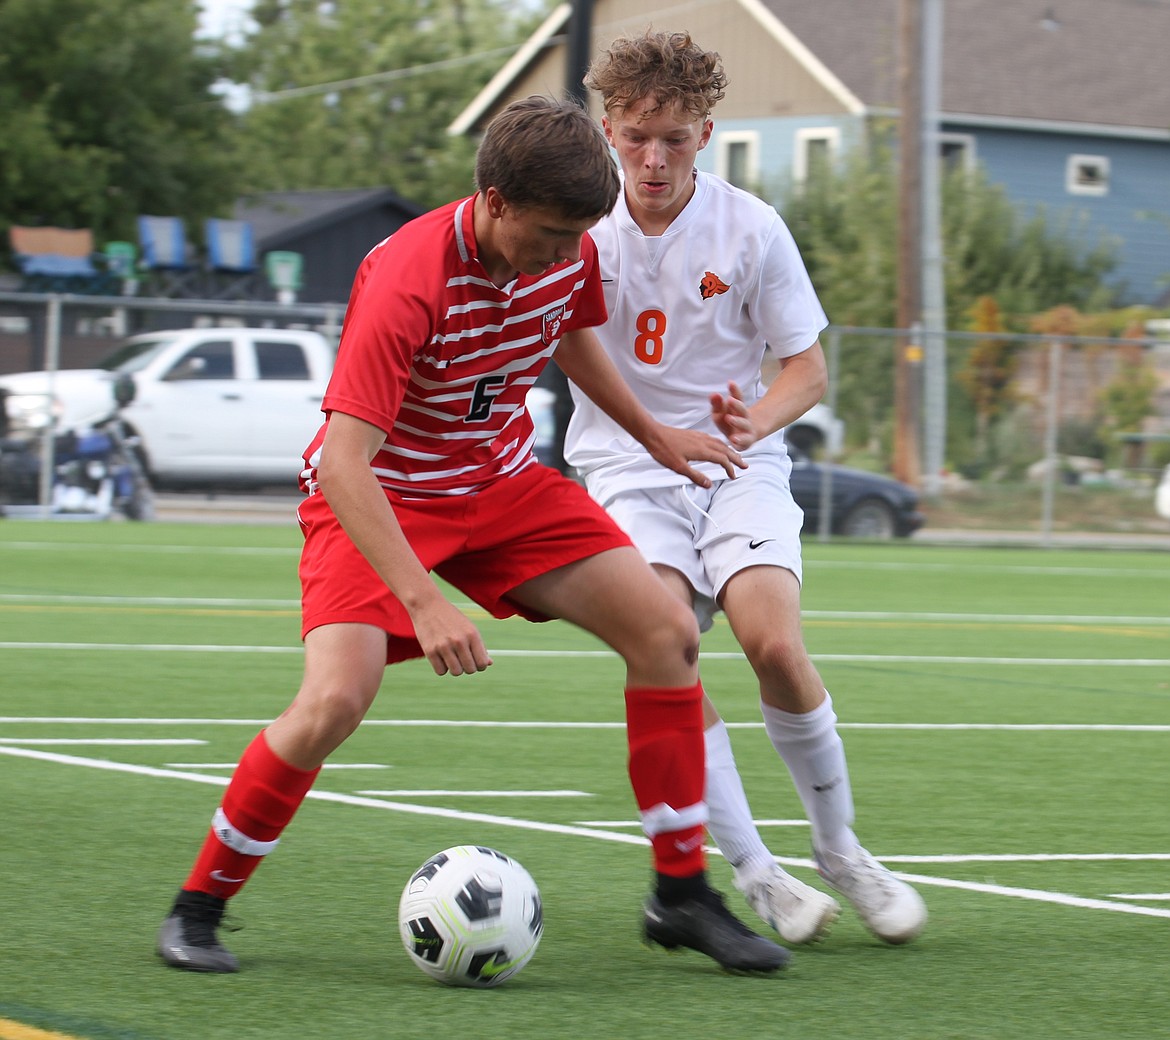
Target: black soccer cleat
[187, 937]
[705, 924]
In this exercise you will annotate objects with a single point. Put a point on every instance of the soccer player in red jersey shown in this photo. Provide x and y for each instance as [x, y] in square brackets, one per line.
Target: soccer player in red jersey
[424, 464]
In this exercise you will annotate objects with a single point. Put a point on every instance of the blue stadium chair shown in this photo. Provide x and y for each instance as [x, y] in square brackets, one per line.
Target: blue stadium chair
[167, 258]
[231, 258]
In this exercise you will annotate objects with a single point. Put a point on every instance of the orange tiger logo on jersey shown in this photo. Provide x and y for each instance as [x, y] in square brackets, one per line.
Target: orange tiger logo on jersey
[712, 285]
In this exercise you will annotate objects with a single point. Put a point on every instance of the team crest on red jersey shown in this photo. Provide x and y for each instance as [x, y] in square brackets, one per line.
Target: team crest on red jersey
[551, 329]
[712, 285]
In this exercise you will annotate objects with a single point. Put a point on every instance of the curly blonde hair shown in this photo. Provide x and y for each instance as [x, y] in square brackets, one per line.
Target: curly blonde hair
[668, 67]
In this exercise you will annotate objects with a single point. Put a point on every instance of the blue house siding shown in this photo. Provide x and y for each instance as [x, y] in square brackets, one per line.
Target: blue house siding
[777, 143]
[1134, 215]
[1031, 83]
[1031, 166]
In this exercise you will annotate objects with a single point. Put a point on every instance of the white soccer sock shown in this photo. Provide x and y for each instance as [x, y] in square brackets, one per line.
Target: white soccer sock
[815, 756]
[729, 817]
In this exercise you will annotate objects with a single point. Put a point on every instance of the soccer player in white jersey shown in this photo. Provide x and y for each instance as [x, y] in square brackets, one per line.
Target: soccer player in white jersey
[424, 463]
[700, 277]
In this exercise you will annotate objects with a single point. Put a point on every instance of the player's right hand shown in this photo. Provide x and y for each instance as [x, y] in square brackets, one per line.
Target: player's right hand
[733, 418]
[677, 448]
[449, 640]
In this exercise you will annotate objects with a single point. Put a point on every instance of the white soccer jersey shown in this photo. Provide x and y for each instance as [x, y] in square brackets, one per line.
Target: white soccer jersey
[689, 312]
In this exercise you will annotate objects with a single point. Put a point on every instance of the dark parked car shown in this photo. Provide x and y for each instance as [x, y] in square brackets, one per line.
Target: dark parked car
[863, 505]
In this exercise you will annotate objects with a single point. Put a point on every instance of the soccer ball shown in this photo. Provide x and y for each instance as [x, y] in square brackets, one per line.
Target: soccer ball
[470, 916]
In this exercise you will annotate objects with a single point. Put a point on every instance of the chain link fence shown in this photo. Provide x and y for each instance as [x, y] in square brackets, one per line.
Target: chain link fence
[1042, 436]
[1032, 437]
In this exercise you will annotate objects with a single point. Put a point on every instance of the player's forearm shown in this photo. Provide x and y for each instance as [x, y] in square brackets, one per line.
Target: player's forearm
[361, 507]
[802, 382]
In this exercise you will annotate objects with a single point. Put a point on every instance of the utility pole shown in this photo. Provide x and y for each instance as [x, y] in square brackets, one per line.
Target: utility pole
[578, 49]
[934, 312]
[577, 52]
[908, 348]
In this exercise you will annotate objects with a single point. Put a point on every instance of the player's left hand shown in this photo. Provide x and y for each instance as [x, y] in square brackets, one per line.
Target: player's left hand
[732, 417]
[676, 449]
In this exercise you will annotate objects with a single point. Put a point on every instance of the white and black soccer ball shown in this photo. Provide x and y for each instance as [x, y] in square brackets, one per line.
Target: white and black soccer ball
[470, 916]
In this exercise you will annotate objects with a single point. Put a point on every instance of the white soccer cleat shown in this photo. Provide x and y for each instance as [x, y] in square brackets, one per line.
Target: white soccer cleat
[797, 911]
[889, 908]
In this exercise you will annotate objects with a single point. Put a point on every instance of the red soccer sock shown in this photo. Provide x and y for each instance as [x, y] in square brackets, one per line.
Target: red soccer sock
[664, 726]
[264, 794]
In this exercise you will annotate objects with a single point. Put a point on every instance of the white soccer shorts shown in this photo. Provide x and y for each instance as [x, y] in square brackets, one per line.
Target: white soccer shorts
[710, 534]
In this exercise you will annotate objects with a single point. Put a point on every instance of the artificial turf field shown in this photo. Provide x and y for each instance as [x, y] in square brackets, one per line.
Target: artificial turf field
[1007, 719]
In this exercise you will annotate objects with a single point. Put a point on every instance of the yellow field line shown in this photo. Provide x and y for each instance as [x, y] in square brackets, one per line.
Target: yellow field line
[473, 611]
[10, 1030]
[987, 626]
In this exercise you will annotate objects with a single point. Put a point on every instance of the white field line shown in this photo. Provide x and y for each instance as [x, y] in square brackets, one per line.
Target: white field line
[1012, 619]
[218, 648]
[638, 823]
[334, 766]
[1160, 574]
[820, 615]
[22, 598]
[138, 550]
[1009, 727]
[1038, 895]
[94, 741]
[1039, 857]
[450, 793]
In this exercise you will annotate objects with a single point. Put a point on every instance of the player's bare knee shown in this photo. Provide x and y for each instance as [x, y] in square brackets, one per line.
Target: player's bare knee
[672, 637]
[777, 655]
[327, 715]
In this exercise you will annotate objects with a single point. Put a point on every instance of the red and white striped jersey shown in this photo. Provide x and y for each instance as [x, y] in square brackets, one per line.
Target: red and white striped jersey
[441, 358]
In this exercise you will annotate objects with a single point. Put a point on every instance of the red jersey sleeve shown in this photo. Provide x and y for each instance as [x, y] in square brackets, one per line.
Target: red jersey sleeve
[386, 323]
[589, 307]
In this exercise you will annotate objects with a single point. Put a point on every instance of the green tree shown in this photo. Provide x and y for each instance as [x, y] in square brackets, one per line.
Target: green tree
[846, 223]
[107, 114]
[359, 93]
[847, 226]
[1027, 262]
[1126, 400]
[987, 375]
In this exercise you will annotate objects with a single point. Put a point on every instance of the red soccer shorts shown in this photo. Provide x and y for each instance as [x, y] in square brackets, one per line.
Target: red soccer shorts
[484, 544]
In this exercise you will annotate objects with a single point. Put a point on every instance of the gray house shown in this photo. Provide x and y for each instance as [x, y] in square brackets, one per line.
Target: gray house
[331, 230]
[1065, 103]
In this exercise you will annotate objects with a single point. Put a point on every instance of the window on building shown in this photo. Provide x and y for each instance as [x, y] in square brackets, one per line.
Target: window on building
[816, 148]
[1087, 175]
[738, 157]
[957, 152]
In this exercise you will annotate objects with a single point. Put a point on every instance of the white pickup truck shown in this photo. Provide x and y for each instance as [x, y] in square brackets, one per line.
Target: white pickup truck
[237, 406]
[224, 406]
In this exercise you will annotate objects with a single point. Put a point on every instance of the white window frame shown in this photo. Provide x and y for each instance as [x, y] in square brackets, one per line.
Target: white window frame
[723, 142]
[1074, 163]
[965, 142]
[804, 137]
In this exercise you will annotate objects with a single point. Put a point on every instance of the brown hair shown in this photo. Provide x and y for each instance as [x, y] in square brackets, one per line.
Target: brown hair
[668, 67]
[549, 153]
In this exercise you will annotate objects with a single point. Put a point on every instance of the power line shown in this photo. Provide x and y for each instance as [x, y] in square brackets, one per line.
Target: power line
[266, 96]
